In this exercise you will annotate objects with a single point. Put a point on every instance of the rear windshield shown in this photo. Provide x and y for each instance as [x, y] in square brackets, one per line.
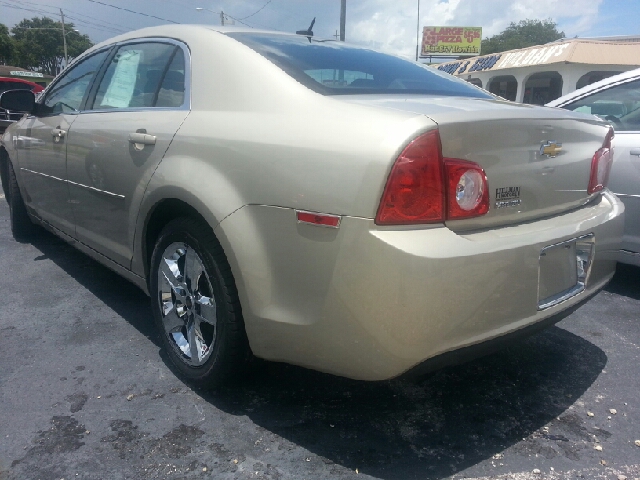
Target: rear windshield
[334, 68]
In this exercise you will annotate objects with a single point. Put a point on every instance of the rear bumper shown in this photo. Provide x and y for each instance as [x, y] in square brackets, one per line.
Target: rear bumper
[371, 303]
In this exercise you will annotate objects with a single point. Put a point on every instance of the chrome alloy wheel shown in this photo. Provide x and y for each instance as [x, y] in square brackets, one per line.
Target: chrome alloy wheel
[187, 304]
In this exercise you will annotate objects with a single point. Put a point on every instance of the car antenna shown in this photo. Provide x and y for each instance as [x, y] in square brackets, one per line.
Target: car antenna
[308, 32]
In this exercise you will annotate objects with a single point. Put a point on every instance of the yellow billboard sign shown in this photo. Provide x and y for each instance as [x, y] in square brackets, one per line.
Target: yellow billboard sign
[451, 41]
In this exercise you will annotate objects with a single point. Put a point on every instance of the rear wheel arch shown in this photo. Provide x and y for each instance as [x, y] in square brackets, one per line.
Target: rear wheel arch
[161, 214]
[164, 211]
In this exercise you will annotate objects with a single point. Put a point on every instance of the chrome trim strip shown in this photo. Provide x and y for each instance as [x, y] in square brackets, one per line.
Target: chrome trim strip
[69, 182]
[627, 195]
[42, 174]
[105, 192]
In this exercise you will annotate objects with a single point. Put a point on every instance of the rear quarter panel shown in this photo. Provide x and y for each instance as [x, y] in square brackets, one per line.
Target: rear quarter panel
[255, 136]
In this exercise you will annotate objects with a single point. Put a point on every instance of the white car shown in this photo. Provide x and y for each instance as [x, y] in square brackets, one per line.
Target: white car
[617, 100]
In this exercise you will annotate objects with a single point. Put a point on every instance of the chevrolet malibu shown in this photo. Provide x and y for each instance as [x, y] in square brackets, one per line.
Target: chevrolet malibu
[313, 202]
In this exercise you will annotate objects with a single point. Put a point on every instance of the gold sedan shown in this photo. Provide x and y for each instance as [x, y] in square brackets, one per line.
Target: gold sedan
[313, 202]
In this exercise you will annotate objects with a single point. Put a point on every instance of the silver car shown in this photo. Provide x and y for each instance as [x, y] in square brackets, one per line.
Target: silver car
[617, 100]
[314, 202]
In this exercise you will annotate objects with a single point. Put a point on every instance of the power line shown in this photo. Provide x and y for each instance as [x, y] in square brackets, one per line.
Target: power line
[104, 26]
[97, 26]
[101, 23]
[32, 10]
[257, 11]
[237, 20]
[132, 11]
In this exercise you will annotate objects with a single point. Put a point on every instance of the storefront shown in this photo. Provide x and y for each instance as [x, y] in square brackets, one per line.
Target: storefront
[539, 74]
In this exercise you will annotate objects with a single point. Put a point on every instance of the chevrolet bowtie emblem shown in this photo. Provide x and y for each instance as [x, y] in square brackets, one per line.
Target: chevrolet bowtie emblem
[550, 149]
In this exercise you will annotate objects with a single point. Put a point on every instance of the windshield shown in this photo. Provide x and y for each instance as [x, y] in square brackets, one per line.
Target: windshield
[334, 68]
[619, 105]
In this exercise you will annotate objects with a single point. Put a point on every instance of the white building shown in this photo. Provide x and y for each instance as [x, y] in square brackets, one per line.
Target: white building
[543, 73]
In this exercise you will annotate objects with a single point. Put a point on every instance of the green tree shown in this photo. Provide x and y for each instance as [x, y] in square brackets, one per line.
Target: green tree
[39, 44]
[7, 47]
[525, 33]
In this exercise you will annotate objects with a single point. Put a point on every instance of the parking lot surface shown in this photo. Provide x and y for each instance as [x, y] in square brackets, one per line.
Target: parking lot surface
[86, 392]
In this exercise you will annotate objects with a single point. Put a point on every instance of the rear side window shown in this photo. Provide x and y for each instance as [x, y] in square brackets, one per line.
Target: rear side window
[143, 75]
[334, 68]
[171, 93]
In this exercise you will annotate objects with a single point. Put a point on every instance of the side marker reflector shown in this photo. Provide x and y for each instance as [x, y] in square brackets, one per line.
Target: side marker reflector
[320, 219]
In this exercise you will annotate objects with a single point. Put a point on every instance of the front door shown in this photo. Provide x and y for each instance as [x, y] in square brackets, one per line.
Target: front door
[43, 139]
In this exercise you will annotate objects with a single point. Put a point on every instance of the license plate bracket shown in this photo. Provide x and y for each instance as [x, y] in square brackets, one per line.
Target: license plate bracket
[564, 270]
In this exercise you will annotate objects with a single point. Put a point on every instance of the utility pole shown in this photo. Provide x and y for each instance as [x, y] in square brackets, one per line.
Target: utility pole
[64, 41]
[418, 32]
[343, 18]
[222, 18]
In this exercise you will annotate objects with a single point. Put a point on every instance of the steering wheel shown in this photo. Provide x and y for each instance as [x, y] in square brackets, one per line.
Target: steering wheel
[613, 119]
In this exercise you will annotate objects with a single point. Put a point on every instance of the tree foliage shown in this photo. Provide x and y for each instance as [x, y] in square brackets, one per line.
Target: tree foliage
[525, 33]
[37, 44]
[7, 47]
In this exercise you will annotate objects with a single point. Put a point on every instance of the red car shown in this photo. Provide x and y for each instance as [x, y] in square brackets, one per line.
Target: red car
[7, 83]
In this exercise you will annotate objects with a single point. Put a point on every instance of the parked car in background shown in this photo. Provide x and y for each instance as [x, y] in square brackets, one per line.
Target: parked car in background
[313, 202]
[617, 100]
[7, 83]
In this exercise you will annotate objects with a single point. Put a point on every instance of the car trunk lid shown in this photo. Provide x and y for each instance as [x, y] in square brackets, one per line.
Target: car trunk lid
[537, 160]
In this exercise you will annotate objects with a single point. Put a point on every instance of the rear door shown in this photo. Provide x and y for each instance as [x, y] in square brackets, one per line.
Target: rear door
[114, 147]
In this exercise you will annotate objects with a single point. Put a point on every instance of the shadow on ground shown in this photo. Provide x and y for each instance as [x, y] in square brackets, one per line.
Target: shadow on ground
[121, 296]
[427, 428]
[626, 282]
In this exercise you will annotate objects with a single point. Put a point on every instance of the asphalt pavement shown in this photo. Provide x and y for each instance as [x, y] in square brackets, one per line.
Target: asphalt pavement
[86, 392]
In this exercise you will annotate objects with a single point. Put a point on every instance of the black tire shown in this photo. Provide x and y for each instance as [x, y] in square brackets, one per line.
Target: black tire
[4, 174]
[22, 227]
[177, 297]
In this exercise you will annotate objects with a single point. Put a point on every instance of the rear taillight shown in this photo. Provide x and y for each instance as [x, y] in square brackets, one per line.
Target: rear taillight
[423, 187]
[601, 165]
[415, 189]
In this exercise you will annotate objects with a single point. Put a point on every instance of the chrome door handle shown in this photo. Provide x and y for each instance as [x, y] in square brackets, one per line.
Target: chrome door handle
[635, 151]
[58, 132]
[142, 138]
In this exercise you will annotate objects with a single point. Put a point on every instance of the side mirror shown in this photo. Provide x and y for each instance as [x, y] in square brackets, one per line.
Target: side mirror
[18, 101]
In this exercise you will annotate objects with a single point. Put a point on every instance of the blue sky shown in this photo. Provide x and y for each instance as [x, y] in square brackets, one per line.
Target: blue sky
[386, 24]
[617, 17]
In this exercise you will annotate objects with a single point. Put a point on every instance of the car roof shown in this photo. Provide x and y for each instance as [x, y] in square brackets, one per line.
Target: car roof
[594, 87]
[181, 31]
